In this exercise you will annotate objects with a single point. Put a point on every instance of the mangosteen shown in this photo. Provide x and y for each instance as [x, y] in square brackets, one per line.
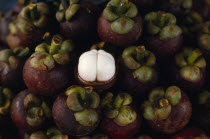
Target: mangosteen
[164, 36]
[76, 112]
[202, 111]
[96, 69]
[167, 111]
[204, 39]
[77, 19]
[120, 23]
[190, 133]
[191, 24]
[177, 7]
[30, 25]
[137, 71]
[11, 65]
[47, 71]
[29, 112]
[6, 97]
[188, 70]
[121, 119]
[203, 7]
[51, 133]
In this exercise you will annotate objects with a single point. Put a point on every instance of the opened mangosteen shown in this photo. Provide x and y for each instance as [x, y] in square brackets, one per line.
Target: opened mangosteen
[29, 112]
[120, 23]
[204, 40]
[203, 7]
[6, 97]
[96, 69]
[11, 65]
[137, 71]
[191, 133]
[202, 111]
[177, 7]
[76, 112]
[167, 111]
[47, 71]
[30, 26]
[164, 36]
[51, 133]
[189, 70]
[121, 119]
[77, 19]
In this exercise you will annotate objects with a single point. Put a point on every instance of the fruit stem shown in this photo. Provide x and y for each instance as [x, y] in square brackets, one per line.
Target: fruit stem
[55, 45]
[140, 53]
[101, 45]
[193, 56]
[161, 19]
[33, 12]
[164, 103]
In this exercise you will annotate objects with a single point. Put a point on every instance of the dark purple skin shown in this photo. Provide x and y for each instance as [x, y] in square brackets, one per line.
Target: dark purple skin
[132, 85]
[4, 30]
[47, 82]
[65, 121]
[108, 35]
[188, 86]
[164, 47]
[178, 118]
[18, 113]
[83, 24]
[189, 133]
[120, 132]
[11, 78]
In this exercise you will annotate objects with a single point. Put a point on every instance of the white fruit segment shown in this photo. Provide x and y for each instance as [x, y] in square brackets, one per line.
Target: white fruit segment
[96, 66]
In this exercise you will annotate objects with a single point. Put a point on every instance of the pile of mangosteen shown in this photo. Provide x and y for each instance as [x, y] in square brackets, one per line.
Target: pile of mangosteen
[105, 69]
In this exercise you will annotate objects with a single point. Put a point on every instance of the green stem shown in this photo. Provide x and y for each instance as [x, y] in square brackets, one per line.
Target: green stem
[194, 56]
[161, 19]
[34, 14]
[55, 45]
[140, 53]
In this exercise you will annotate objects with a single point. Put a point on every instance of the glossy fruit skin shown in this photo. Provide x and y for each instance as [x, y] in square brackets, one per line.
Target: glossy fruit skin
[190, 87]
[189, 133]
[11, 78]
[127, 82]
[47, 82]
[65, 120]
[120, 132]
[108, 35]
[83, 25]
[18, 113]
[178, 118]
[164, 47]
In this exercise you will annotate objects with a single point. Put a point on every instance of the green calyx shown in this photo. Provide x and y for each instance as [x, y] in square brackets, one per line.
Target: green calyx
[120, 13]
[67, 10]
[190, 62]
[204, 38]
[144, 137]
[186, 4]
[162, 24]
[95, 136]
[83, 102]
[37, 110]
[51, 133]
[204, 97]
[25, 2]
[159, 105]
[141, 61]
[118, 108]
[48, 54]
[33, 16]
[6, 97]
[13, 57]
